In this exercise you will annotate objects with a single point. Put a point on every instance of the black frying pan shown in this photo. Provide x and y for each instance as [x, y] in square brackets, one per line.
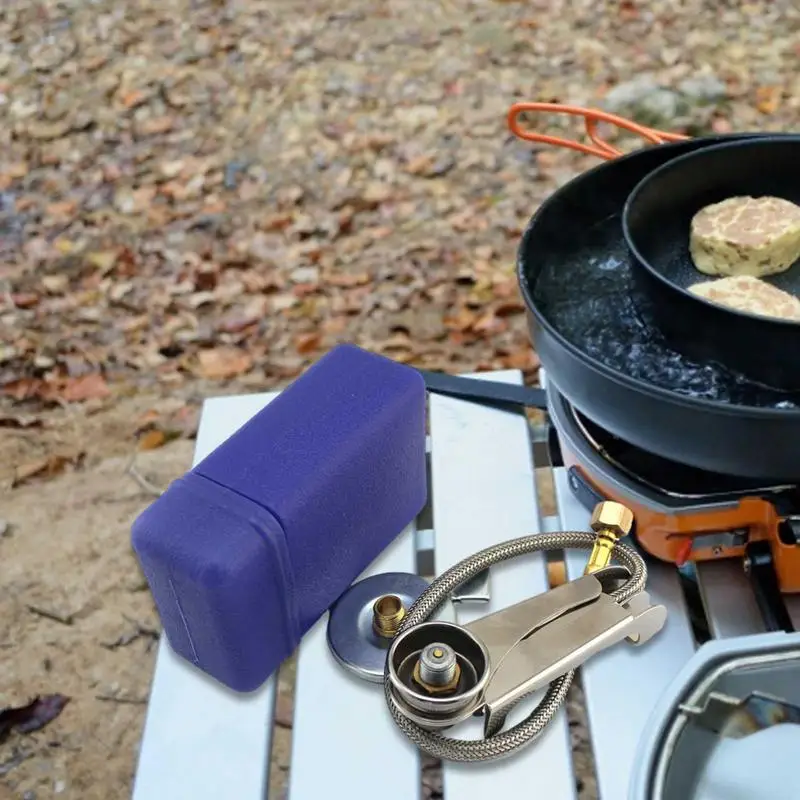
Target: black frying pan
[608, 358]
[656, 222]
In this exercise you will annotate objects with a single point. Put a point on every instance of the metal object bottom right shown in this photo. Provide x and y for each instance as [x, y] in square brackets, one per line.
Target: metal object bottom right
[728, 727]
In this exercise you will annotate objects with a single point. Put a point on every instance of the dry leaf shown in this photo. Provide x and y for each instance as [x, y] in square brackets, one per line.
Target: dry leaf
[25, 299]
[307, 342]
[462, 321]
[223, 362]
[104, 261]
[346, 280]
[24, 388]
[508, 308]
[768, 99]
[86, 387]
[335, 325]
[431, 165]
[33, 716]
[20, 421]
[46, 467]
[62, 210]
[155, 126]
[152, 440]
[133, 98]
[147, 419]
[489, 324]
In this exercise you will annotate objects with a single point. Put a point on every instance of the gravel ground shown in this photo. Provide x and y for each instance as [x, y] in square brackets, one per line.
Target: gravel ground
[201, 196]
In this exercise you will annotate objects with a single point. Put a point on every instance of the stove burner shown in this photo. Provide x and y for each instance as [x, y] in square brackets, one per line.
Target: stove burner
[663, 475]
[685, 514]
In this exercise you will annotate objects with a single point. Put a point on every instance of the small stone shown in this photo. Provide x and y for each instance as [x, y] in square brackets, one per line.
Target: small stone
[155, 126]
[89, 314]
[629, 93]
[49, 131]
[417, 116]
[55, 284]
[703, 89]
[645, 101]
[124, 201]
[376, 193]
[305, 275]
[119, 290]
[171, 169]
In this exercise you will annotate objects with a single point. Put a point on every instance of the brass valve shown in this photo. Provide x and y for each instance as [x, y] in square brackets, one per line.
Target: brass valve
[387, 614]
[610, 521]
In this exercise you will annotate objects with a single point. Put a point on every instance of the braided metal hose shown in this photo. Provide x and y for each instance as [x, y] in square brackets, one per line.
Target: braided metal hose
[439, 591]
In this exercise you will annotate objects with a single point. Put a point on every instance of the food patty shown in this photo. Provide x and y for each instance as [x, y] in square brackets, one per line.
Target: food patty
[751, 295]
[755, 236]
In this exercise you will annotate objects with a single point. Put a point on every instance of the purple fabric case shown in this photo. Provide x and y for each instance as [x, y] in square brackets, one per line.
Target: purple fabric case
[245, 552]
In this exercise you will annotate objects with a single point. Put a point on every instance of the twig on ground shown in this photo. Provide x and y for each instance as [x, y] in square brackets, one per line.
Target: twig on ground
[64, 619]
[122, 699]
[18, 755]
[128, 638]
[141, 480]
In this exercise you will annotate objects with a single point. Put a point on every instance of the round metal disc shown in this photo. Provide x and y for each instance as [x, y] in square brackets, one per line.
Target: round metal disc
[351, 638]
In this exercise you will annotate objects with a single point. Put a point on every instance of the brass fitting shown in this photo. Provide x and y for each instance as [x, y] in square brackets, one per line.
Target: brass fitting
[430, 688]
[610, 521]
[387, 614]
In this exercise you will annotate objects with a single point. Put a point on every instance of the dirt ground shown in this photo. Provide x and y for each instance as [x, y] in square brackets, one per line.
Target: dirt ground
[77, 618]
[202, 196]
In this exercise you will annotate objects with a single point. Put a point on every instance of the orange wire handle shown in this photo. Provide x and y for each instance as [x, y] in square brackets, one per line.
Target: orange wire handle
[591, 117]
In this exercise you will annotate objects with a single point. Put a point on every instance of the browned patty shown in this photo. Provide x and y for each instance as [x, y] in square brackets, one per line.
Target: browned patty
[746, 236]
[751, 295]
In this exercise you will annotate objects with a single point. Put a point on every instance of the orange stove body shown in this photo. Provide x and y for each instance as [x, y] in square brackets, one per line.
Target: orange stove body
[673, 537]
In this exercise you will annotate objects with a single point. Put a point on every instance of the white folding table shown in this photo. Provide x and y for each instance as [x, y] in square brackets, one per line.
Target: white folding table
[203, 742]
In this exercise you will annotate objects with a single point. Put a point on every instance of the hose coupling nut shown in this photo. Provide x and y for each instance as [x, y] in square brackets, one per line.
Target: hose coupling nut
[610, 522]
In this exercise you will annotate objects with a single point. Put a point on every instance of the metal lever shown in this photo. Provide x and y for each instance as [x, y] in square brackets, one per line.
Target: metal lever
[587, 622]
[443, 673]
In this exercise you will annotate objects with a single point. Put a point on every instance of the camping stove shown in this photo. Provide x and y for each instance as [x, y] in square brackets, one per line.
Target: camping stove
[682, 514]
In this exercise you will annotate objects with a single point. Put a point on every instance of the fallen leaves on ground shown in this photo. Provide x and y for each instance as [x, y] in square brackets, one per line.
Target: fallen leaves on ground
[171, 420]
[33, 716]
[227, 201]
[223, 362]
[67, 390]
[153, 439]
[45, 467]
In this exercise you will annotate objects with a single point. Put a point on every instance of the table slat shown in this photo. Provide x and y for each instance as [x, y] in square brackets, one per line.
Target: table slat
[484, 493]
[200, 739]
[345, 743]
[624, 683]
[728, 599]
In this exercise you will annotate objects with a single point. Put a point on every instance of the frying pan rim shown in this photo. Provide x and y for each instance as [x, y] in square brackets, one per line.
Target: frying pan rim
[644, 263]
[634, 383]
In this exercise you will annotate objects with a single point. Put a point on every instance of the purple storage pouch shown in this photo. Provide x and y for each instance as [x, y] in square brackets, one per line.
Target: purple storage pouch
[247, 551]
